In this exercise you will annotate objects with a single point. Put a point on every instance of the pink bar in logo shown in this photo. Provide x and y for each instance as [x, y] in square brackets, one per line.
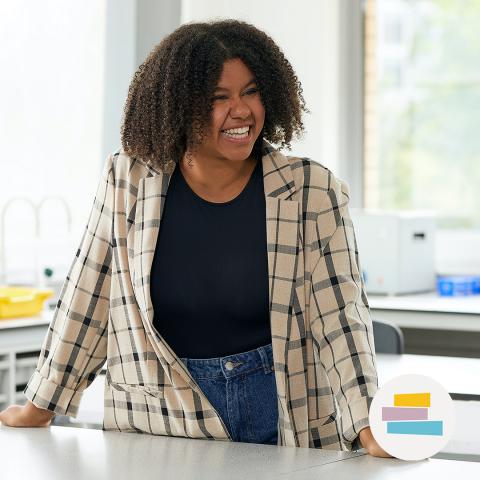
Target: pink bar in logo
[404, 413]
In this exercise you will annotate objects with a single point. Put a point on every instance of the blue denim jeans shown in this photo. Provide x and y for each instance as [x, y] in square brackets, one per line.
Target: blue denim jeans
[242, 389]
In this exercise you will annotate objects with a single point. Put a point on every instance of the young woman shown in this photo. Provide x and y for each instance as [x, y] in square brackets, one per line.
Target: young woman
[217, 277]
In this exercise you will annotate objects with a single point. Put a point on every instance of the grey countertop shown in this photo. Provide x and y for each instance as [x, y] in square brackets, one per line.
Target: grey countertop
[63, 452]
[426, 302]
[457, 375]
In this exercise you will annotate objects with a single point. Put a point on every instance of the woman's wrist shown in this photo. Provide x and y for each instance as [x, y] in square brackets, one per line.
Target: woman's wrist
[365, 437]
[40, 413]
[370, 444]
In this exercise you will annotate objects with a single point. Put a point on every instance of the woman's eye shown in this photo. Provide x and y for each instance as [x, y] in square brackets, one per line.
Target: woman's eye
[251, 91]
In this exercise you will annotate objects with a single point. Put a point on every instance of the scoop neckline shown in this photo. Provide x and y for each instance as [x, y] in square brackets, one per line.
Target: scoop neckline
[220, 204]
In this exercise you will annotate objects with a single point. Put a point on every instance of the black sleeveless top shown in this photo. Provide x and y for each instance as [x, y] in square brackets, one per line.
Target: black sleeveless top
[209, 277]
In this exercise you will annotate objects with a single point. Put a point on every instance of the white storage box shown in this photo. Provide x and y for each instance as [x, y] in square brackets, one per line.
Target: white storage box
[396, 250]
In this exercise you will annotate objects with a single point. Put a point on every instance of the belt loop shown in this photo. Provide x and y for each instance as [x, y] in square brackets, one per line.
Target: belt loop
[267, 365]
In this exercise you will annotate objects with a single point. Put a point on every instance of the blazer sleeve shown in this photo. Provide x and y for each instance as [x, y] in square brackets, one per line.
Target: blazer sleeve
[341, 322]
[75, 346]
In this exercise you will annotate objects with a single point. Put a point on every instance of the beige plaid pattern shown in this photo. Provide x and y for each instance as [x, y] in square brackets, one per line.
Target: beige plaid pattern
[322, 335]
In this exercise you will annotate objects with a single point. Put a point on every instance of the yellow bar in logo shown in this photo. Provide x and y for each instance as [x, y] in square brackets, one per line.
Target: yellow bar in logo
[411, 399]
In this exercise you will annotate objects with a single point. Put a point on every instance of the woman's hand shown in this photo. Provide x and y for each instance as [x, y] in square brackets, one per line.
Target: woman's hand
[370, 444]
[27, 415]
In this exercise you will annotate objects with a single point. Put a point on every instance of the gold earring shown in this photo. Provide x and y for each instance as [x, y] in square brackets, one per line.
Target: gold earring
[189, 159]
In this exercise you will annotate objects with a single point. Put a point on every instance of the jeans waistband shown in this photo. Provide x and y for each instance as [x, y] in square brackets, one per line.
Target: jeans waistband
[232, 365]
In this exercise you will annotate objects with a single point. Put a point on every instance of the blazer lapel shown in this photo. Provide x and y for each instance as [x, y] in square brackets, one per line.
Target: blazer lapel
[152, 192]
[287, 295]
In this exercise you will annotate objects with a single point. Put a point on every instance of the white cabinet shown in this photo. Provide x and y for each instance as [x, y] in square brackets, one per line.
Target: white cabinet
[20, 343]
[16, 367]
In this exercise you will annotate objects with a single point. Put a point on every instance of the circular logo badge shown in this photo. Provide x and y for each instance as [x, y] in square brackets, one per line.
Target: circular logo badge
[412, 417]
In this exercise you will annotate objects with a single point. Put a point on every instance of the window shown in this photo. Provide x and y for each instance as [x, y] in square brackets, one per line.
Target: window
[422, 108]
[51, 126]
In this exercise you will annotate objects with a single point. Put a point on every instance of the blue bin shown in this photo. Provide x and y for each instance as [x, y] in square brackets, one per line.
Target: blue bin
[458, 285]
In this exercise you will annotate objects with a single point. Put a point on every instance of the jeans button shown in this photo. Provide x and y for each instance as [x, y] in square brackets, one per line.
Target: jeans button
[229, 366]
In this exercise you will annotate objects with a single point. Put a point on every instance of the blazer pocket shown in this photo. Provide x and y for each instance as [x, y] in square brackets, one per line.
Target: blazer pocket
[324, 432]
[134, 408]
[138, 389]
[325, 420]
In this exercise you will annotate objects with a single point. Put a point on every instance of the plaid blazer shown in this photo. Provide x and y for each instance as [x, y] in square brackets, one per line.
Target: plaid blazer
[322, 336]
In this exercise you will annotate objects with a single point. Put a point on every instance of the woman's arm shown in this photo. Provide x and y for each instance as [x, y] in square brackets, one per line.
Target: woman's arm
[75, 347]
[340, 317]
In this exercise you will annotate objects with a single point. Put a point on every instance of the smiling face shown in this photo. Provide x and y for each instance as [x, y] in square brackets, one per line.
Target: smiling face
[237, 115]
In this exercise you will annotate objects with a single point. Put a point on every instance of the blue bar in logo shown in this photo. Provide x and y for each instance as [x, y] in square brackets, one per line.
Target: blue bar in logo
[433, 427]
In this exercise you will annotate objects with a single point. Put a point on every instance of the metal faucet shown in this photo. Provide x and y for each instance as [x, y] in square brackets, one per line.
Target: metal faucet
[65, 205]
[36, 210]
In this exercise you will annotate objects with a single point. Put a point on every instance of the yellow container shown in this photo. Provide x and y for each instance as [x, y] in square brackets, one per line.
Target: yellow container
[22, 301]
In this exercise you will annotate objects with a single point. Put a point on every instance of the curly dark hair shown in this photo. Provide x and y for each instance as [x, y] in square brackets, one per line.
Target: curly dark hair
[170, 97]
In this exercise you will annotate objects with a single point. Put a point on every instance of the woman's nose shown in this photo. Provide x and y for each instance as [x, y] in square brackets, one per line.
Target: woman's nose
[239, 109]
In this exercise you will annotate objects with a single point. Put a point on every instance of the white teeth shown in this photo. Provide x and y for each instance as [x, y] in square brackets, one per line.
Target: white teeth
[236, 135]
[237, 131]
